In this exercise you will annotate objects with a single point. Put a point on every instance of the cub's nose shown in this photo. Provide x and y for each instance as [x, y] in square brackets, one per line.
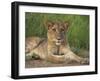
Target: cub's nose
[58, 38]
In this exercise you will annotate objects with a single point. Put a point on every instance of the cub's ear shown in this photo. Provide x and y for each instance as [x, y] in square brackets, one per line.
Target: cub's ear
[66, 25]
[49, 24]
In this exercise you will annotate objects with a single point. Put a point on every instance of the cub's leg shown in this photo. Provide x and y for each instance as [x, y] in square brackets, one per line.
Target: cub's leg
[72, 56]
[55, 58]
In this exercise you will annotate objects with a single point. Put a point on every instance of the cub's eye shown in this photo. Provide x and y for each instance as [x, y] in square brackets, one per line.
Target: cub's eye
[62, 29]
[54, 29]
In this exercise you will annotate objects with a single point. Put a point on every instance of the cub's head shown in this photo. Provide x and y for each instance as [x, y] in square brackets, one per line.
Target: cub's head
[56, 32]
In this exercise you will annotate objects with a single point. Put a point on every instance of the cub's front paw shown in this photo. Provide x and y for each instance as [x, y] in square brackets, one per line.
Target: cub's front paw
[85, 61]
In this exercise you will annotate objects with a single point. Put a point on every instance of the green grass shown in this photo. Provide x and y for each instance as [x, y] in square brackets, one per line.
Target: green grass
[78, 33]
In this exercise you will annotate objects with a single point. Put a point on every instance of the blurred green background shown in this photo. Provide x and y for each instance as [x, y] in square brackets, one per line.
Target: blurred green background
[78, 33]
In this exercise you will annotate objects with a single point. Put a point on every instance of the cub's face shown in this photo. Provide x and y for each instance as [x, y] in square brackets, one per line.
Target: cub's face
[56, 32]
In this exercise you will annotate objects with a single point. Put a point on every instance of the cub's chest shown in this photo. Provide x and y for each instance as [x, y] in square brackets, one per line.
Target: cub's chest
[56, 50]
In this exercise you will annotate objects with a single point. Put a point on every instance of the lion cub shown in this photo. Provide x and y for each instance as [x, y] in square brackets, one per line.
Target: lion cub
[55, 48]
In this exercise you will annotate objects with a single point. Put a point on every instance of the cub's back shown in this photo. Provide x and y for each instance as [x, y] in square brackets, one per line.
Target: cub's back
[32, 43]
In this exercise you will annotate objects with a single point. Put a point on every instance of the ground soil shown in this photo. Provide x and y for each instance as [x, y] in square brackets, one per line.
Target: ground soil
[42, 63]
